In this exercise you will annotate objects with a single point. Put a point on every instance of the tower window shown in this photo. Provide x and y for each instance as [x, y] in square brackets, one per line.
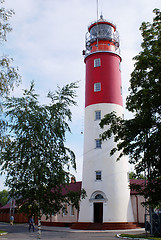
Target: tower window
[98, 143]
[97, 115]
[97, 62]
[98, 175]
[97, 87]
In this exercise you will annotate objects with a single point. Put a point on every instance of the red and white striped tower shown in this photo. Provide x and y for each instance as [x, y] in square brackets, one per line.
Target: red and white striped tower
[104, 179]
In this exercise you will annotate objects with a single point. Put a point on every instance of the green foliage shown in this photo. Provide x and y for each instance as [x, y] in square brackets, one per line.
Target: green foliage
[34, 154]
[2, 232]
[3, 197]
[74, 197]
[8, 73]
[140, 137]
[133, 175]
[4, 24]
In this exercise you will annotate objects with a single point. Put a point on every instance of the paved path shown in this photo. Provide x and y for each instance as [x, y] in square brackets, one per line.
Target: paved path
[20, 232]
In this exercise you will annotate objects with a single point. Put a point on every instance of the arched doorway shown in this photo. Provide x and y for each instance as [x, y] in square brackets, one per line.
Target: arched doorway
[98, 198]
[98, 212]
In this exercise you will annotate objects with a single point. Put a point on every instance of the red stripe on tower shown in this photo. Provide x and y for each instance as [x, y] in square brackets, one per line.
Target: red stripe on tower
[106, 75]
[103, 76]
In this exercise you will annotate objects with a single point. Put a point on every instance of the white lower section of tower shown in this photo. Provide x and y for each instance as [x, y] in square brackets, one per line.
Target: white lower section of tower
[112, 191]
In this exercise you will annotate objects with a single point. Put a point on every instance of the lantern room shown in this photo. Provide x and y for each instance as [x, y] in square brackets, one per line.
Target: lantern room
[102, 36]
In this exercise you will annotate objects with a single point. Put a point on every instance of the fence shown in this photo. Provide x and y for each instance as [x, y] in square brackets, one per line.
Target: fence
[153, 223]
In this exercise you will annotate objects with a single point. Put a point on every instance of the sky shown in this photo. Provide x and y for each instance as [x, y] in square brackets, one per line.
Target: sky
[47, 40]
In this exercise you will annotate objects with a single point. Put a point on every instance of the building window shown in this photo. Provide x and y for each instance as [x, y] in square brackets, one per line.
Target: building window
[97, 87]
[71, 210]
[99, 196]
[64, 210]
[97, 115]
[97, 62]
[98, 175]
[98, 143]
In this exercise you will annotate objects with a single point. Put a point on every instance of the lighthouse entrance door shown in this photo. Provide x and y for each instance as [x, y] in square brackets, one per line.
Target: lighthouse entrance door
[98, 212]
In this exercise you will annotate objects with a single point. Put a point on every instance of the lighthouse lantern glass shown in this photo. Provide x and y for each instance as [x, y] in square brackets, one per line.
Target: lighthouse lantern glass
[101, 31]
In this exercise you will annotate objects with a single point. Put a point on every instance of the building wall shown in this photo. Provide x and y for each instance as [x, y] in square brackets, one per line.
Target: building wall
[114, 183]
[18, 217]
[138, 209]
[62, 217]
[138, 212]
[136, 200]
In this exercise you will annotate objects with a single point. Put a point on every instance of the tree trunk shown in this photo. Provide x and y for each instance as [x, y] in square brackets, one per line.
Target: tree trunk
[39, 228]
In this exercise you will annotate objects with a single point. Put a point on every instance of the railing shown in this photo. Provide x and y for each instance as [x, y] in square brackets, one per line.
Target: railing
[114, 37]
[101, 48]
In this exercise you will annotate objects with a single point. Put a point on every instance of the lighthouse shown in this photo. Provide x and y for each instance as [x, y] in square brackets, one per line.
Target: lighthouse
[104, 179]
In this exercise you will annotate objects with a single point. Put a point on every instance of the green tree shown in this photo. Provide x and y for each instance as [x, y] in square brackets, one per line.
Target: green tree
[8, 73]
[34, 156]
[3, 197]
[140, 137]
[133, 175]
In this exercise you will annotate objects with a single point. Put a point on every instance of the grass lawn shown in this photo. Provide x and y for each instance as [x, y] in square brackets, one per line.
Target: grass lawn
[2, 232]
[140, 236]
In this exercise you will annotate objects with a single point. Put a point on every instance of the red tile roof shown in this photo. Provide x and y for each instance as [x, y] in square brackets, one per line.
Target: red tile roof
[138, 182]
[72, 187]
[8, 205]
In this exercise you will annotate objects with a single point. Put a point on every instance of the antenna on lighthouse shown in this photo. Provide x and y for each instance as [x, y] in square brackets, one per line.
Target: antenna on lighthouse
[97, 10]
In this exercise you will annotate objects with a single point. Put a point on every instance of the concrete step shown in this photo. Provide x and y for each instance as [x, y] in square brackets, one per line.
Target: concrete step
[104, 226]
